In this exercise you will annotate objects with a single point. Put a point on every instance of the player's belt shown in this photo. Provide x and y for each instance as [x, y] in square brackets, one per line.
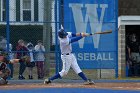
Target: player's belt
[66, 54]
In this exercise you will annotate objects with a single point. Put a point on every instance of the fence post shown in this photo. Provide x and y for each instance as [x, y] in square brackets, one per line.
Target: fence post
[56, 41]
[116, 11]
[7, 25]
[47, 33]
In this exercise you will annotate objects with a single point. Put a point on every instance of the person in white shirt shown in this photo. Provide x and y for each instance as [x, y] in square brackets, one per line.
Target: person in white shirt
[40, 58]
[31, 64]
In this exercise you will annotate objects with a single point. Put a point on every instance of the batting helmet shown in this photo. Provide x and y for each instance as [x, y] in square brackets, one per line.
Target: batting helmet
[30, 45]
[62, 33]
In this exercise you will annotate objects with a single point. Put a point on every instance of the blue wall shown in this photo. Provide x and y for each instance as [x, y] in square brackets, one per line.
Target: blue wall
[90, 16]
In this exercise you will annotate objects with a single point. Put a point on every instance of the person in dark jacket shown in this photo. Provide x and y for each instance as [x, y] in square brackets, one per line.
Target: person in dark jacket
[21, 52]
[133, 54]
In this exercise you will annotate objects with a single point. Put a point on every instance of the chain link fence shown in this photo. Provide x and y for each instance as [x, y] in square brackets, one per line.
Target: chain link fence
[30, 21]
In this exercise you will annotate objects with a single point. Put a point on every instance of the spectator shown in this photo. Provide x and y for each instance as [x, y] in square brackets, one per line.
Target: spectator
[21, 51]
[3, 43]
[133, 54]
[11, 56]
[31, 64]
[40, 57]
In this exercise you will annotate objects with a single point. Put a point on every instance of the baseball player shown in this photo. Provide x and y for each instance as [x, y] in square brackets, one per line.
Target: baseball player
[4, 70]
[68, 58]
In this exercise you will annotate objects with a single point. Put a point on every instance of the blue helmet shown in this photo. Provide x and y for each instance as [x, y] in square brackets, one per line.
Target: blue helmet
[30, 45]
[62, 33]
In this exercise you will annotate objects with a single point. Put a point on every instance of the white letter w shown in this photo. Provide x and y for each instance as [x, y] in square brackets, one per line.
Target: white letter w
[91, 16]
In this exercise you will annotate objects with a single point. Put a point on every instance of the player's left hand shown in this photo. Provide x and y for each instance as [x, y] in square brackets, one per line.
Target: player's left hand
[14, 61]
[85, 34]
[26, 59]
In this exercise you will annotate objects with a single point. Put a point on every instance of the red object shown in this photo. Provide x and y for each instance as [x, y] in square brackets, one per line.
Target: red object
[21, 51]
[1, 58]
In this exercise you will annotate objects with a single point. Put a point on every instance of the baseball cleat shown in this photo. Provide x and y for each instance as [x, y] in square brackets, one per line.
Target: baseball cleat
[89, 82]
[3, 81]
[47, 81]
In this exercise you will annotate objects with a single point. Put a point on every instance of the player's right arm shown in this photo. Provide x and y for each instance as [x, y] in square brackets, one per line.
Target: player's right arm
[70, 40]
[75, 37]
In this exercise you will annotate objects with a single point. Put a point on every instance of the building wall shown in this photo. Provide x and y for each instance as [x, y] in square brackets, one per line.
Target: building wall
[129, 7]
[121, 52]
[14, 4]
[12, 10]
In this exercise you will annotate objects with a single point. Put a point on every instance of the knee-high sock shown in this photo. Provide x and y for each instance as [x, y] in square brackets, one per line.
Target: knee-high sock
[82, 75]
[55, 77]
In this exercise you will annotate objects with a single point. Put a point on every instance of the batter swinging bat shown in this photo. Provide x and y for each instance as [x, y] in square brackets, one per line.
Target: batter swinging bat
[105, 32]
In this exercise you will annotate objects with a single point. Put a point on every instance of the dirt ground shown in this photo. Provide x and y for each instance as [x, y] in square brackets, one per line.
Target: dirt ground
[118, 86]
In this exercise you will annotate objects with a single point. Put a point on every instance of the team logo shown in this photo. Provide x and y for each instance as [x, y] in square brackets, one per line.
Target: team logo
[88, 13]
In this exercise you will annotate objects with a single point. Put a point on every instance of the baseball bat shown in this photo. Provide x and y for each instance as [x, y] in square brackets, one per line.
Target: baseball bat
[105, 32]
[62, 26]
[14, 61]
